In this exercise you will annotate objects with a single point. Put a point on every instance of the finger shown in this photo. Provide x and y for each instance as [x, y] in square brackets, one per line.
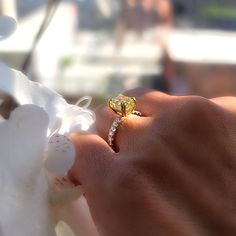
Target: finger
[227, 103]
[126, 130]
[104, 118]
[149, 102]
[93, 158]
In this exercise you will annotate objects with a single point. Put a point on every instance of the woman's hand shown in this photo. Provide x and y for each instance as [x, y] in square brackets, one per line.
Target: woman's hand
[174, 174]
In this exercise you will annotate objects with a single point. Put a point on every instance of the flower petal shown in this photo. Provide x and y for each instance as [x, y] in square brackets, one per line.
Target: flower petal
[25, 91]
[61, 155]
[24, 188]
[7, 26]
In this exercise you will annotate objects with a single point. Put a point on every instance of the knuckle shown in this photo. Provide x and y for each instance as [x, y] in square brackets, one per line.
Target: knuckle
[194, 109]
[198, 115]
[187, 113]
[196, 106]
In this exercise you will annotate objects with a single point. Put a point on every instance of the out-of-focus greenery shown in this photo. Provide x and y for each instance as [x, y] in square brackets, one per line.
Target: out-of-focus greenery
[65, 62]
[219, 11]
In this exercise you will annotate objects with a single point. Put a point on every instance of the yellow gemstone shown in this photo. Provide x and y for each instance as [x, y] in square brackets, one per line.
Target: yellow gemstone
[122, 105]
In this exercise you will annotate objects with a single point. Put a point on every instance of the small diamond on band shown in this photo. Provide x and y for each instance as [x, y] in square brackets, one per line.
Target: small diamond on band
[115, 126]
[113, 129]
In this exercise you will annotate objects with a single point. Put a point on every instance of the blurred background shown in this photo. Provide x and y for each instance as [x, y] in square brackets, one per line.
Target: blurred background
[102, 47]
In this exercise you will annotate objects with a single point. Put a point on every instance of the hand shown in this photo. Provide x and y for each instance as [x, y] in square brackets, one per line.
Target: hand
[174, 174]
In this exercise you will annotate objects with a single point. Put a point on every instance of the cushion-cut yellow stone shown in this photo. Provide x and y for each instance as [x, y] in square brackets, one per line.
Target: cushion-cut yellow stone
[122, 105]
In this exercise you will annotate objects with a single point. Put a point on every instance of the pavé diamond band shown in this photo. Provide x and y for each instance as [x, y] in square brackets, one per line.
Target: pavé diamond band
[113, 130]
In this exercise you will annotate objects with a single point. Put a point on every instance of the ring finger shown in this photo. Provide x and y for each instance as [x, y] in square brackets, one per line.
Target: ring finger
[148, 103]
[124, 131]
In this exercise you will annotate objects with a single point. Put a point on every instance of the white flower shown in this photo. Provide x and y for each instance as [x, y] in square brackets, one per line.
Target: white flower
[43, 117]
[23, 141]
[63, 117]
[24, 190]
[7, 26]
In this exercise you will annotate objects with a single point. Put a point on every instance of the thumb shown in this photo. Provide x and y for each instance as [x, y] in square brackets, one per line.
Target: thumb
[93, 159]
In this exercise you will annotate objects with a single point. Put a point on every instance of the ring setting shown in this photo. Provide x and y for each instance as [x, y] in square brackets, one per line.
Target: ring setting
[123, 106]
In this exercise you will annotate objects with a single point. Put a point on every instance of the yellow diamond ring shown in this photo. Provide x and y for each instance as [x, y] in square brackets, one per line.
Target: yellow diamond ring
[123, 106]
